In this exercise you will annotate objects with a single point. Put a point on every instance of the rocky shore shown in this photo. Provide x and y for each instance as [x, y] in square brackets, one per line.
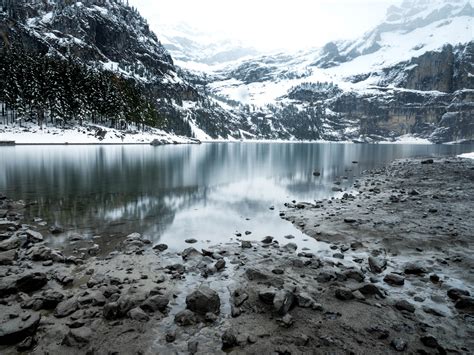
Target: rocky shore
[395, 274]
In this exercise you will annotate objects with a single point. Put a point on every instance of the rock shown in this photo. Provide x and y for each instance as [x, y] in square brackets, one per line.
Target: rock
[456, 293]
[283, 301]
[78, 338]
[254, 274]
[267, 296]
[394, 280]
[66, 308]
[246, 244]
[191, 241]
[289, 236]
[338, 256]
[193, 347]
[414, 269]
[33, 236]
[170, 336]
[465, 303]
[349, 220]
[287, 321]
[399, 344]
[155, 303]
[344, 294]
[31, 282]
[220, 264]
[239, 297]
[14, 330]
[427, 161]
[377, 265]
[5, 226]
[229, 340]
[11, 243]
[185, 318]
[51, 299]
[138, 314]
[291, 247]
[42, 253]
[356, 275]
[55, 229]
[160, 247]
[190, 253]
[433, 311]
[378, 332]
[429, 341]
[304, 300]
[26, 344]
[434, 278]
[267, 240]
[111, 311]
[235, 311]
[203, 300]
[371, 290]
[403, 305]
[316, 173]
[8, 257]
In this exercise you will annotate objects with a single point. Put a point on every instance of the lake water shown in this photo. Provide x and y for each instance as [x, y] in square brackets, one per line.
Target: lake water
[170, 193]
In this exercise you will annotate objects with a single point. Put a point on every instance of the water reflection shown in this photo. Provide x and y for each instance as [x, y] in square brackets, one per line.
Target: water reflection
[171, 193]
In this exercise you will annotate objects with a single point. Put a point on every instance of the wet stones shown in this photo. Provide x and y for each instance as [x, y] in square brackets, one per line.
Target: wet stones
[427, 161]
[283, 301]
[42, 253]
[155, 303]
[267, 240]
[160, 247]
[267, 296]
[229, 339]
[8, 257]
[239, 297]
[203, 300]
[11, 243]
[191, 241]
[394, 280]
[190, 253]
[78, 338]
[56, 230]
[349, 220]
[429, 341]
[66, 308]
[377, 265]
[356, 275]
[457, 293]
[254, 274]
[138, 314]
[465, 303]
[403, 305]
[33, 236]
[14, 330]
[220, 264]
[344, 294]
[31, 282]
[399, 344]
[414, 269]
[185, 318]
[246, 244]
[371, 290]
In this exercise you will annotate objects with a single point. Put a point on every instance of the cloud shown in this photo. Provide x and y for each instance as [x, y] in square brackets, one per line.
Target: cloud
[266, 24]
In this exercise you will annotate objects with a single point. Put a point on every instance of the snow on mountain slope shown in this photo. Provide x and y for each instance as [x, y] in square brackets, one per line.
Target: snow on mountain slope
[399, 44]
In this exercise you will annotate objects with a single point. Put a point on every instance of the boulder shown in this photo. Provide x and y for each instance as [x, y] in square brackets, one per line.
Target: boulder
[377, 265]
[34, 236]
[138, 314]
[14, 330]
[394, 280]
[8, 257]
[185, 318]
[78, 338]
[11, 243]
[344, 294]
[155, 303]
[456, 293]
[67, 307]
[283, 301]
[203, 300]
[31, 281]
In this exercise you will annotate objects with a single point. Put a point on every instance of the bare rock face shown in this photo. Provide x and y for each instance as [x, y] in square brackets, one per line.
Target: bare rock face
[203, 300]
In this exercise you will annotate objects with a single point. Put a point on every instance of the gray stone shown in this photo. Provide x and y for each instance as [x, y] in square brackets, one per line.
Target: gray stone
[203, 300]
[31, 281]
[229, 339]
[78, 338]
[283, 301]
[8, 257]
[246, 244]
[344, 294]
[14, 330]
[160, 247]
[403, 305]
[138, 314]
[456, 293]
[399, 344]
[66, 308]
[33, 236]
[11, 243]
[185, 318]
[394, 280]
[155, 303]
[377, 265]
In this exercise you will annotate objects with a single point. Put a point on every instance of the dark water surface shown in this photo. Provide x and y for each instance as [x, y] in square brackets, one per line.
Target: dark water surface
[171, 193]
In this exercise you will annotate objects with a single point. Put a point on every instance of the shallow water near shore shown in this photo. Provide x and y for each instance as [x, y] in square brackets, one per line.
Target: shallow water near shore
[209, 192]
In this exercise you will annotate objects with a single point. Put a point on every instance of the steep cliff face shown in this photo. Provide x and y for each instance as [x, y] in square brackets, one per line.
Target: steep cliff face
[109, 35]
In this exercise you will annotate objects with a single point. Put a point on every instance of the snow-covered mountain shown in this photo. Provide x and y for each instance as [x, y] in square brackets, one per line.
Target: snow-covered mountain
[188, 46]
[408, 75]
[412, 74]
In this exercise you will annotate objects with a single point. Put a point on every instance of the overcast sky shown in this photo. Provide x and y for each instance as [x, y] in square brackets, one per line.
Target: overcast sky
[270, 24]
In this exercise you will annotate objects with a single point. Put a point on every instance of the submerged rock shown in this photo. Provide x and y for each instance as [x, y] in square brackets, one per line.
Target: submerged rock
[377, 265]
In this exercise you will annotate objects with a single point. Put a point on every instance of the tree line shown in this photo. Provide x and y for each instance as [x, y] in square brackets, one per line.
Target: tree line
[45, 89]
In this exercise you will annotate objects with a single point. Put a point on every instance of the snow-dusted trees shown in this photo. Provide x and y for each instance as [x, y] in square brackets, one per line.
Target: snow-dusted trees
[49, 89]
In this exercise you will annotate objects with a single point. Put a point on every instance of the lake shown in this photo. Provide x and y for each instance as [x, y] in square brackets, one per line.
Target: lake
[208, 192]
